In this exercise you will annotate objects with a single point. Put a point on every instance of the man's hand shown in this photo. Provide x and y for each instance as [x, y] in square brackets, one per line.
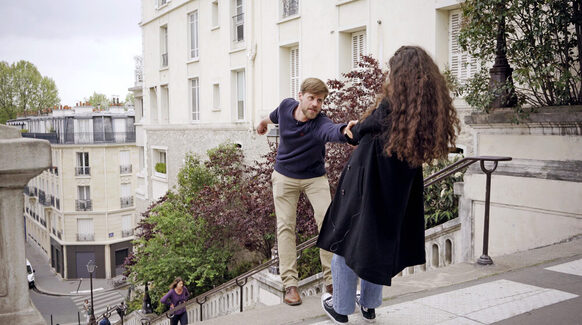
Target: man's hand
[348, 129]
[262, 127]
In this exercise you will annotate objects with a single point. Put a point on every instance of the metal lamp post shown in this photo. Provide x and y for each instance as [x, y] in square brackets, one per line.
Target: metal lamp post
[91, 268]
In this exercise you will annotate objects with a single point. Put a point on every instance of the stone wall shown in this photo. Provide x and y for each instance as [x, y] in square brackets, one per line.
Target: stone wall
[536, 197]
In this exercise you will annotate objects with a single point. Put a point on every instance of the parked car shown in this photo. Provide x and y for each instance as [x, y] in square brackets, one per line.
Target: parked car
[30, 274]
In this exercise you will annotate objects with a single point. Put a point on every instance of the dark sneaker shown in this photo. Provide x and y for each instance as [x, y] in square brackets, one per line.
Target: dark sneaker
[368, 313]
[327, 305]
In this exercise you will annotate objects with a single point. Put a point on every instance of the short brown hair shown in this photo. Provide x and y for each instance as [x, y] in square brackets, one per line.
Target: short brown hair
[314, 86]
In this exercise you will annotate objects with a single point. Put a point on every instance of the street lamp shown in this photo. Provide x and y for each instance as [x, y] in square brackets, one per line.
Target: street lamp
[91, 268]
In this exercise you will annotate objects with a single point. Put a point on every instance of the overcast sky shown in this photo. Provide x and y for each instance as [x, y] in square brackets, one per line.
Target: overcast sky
[83, 45]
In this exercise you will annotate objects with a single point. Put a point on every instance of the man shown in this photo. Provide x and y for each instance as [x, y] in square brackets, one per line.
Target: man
[300, 167]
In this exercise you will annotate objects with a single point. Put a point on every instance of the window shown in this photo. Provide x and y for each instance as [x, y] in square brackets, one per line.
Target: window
[462, 65]
[153, 104]
[238, 21]
[358, 47]
[126, 228]
[216, 97]
[164, 46]
[159, 157]
[193, 31]
[240, 95]
[85, 230]
[124, 162]
[195, 99]
[165, 104]
[215, 21]
[84, 130]
[294, 71]
[83, 199]
[289, 8]
[82, 164]
[126, 197]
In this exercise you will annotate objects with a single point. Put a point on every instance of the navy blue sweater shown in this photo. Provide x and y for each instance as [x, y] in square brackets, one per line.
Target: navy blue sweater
[301, 149]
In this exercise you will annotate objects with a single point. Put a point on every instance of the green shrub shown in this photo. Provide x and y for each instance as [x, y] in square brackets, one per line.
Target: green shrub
[440, 203]
[161, 168]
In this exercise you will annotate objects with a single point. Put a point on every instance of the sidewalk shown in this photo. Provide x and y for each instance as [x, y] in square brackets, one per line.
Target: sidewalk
[48, 281]
[520, 288]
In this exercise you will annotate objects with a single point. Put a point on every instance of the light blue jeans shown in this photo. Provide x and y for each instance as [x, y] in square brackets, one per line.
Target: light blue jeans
[345, 283]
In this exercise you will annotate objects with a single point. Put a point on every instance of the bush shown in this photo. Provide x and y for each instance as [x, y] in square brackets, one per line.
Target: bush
[440, 202]
[161, 168]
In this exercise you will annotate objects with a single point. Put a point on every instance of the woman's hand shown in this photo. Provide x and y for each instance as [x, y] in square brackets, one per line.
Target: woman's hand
[348, 128]
[171, 306]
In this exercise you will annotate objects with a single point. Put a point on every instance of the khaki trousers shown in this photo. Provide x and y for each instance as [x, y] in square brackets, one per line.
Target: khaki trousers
[286, 192]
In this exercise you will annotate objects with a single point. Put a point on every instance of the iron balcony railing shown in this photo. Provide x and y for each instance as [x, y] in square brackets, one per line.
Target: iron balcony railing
[242, 279]
[82, 170]
[85, 237]
[126, 201]
[127, 233]
[26, 190]
[42, 198]
[125, 169]
[83, 205]
[84, 137]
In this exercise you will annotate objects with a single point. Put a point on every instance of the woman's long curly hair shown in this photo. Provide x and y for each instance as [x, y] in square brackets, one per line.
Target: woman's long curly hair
[421, 125]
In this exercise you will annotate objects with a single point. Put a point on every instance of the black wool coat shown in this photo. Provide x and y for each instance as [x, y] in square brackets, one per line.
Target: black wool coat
[376, 218]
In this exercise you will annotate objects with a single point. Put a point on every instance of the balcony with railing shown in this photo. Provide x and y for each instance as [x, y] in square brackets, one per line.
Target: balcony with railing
[84, 137]
[82, 170]
[26, 190]
[42, 198]
[126, 202]
[85, 237]
[83, 205]
[125, 169]
[126, 233]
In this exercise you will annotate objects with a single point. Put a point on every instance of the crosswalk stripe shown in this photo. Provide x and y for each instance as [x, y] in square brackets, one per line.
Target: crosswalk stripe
[574, 267]
[100, 301]
[480, 304]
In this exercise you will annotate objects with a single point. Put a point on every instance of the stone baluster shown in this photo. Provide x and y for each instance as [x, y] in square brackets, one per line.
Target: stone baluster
[20, 160]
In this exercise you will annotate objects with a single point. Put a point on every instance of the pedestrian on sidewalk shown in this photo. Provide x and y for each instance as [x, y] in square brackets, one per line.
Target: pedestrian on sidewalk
[87, 309]
[299, 167]
[375, 224]
[178, 294]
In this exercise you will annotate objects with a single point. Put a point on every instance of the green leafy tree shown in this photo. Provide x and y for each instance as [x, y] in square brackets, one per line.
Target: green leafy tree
[543, 47]
[98, 100]
[23, 88]
[129, 98]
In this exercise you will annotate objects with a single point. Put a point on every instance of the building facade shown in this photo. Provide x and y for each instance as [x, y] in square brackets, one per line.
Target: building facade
[83, 207]
[212, 69]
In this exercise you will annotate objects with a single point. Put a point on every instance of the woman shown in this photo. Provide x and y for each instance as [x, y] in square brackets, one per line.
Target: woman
[375, 224]
[178, 294]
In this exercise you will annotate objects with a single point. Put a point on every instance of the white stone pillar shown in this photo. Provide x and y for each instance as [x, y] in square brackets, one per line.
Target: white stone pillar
[20, 160]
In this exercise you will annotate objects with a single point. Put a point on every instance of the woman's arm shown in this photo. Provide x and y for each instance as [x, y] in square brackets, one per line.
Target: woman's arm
[165, 298]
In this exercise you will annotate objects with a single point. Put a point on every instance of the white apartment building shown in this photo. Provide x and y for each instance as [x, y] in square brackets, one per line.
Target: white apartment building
[83, 207]
[213, 68]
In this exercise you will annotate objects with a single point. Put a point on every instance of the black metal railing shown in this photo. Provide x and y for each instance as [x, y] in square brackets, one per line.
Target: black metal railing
[26, 190]
[85, 237]
[84, 137]
[83, 205]
[82, 170]
[242, 279]
[127, 233]
[125, 169]
[126, 201]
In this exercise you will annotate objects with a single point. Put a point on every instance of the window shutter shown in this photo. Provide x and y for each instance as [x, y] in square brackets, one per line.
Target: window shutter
[462, 65]
[294, 71]
[85, 226]
[358, 47]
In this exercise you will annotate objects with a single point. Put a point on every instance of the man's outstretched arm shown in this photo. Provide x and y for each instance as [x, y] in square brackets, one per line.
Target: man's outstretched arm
[262, 127]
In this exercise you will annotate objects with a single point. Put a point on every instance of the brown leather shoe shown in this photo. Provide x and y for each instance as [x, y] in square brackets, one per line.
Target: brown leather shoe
[292, 297]
[329, 289]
